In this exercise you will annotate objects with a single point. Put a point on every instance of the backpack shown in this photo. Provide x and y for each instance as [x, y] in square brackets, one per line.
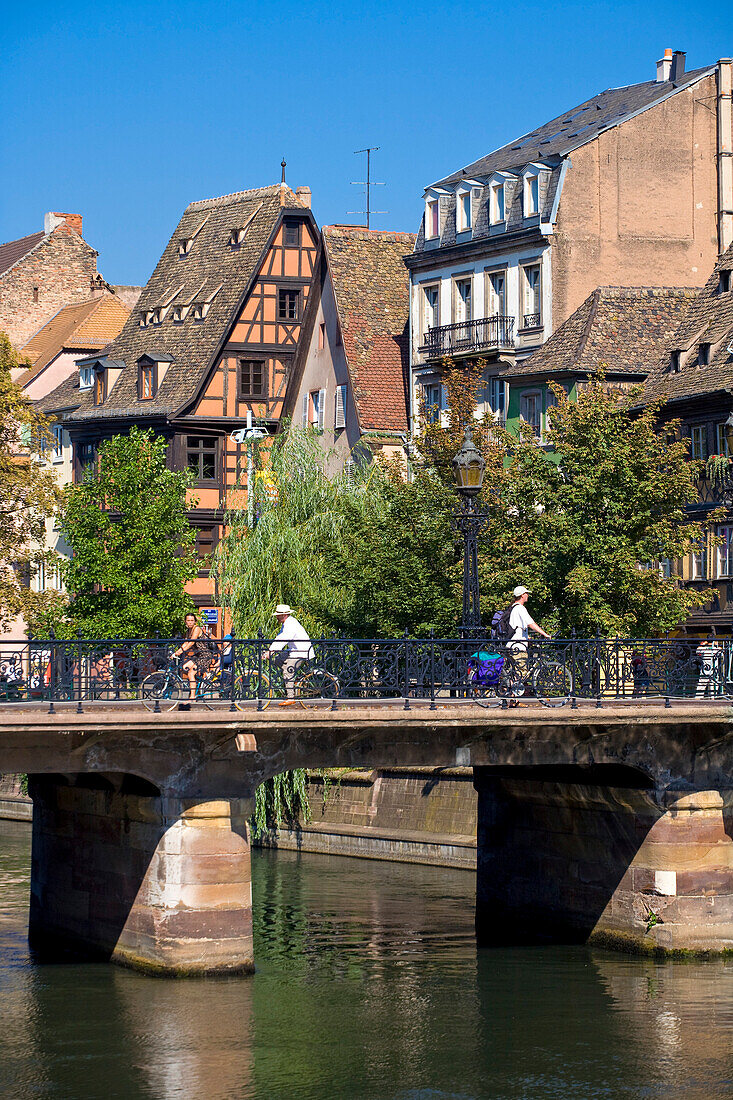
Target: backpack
[485, 668]
[500, 628]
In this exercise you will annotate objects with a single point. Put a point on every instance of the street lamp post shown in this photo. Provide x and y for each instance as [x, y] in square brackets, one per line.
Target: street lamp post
[468, 466]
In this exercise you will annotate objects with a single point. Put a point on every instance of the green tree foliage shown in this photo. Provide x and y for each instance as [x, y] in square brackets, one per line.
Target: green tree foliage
[28, 497]
[580, 525]
[133, 549]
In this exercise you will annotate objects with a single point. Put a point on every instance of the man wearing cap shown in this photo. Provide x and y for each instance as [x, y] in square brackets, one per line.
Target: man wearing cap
[520, 620]
[293, 639]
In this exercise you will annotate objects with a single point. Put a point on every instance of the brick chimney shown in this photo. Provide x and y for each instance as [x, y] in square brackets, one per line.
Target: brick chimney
[303, 194]
[53, 220]
[664, 67]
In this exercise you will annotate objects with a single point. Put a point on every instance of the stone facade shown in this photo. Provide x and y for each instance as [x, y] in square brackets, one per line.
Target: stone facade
[59, 270]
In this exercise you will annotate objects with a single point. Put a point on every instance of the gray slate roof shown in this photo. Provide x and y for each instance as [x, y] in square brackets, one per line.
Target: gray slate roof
[709, 321]
[620, 329]
[575, 127]
[211, 265]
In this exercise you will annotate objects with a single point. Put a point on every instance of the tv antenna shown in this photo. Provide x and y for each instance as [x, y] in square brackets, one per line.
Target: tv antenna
[367, 184]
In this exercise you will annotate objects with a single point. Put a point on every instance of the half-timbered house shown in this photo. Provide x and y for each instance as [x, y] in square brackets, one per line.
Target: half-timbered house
[212, 338]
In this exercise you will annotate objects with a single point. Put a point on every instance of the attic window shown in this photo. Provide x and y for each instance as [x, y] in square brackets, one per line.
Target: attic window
[143, 318]
[292, 233]
[199, 310]
[147, 381]
[237, 236]
[703, 355]
[674, 362]
[724, 282]
[531, 195]
[179, 314]
[86, 378]
[184, 246]
[156, 316]
[100, 386]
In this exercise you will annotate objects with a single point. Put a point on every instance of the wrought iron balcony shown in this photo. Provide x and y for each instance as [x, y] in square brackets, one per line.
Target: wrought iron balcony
[483, 334]
[532, 320]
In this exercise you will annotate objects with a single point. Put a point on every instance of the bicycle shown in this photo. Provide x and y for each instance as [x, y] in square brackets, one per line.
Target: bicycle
[311, 682]
[166, 687]
[549, 681]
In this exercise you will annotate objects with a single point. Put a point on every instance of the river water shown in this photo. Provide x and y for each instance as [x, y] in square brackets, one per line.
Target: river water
[368, 987]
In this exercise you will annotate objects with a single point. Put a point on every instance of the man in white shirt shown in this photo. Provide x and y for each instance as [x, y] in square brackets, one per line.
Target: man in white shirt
[521, 622]
[294, 640]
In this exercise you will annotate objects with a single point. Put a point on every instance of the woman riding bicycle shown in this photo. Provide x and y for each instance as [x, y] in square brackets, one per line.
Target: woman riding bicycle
[197, 653]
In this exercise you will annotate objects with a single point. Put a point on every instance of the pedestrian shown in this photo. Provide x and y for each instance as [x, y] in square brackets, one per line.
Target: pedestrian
[521, 622]
[293, 645]
[710, 656]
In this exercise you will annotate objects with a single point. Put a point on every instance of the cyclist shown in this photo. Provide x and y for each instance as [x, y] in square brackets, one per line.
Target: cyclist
[197, 652]
[294, 646]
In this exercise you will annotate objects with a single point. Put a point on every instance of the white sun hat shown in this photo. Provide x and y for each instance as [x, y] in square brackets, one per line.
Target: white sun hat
[283, 609]
[520, 590]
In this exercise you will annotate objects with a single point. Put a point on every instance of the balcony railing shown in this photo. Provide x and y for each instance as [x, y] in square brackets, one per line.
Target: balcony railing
[464, 337]
[532, 320]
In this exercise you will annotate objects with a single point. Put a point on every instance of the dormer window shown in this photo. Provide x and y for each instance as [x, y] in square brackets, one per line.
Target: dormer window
[147, 380]
[703, 355]
[531, 195]
[184, 246]
[156, 316]
[291, 233]
[199, 310]
[86, 378]
[463, 211]
[496, 204]
[178, 314]
[143, 318]
[674, 361]
[432, 218]
[237, 235]
[724, 281]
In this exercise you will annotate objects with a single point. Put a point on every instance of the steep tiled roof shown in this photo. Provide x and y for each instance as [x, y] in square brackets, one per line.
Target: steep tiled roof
[618, 328]
[87, 326]
[370, 285]
[577, 126]
[211, 270]
[13, 251]
[709, 321]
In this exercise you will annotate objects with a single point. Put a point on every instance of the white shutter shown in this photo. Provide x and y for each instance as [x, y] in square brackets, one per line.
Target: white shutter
[321, 409]
[339, 420]
[304, 412]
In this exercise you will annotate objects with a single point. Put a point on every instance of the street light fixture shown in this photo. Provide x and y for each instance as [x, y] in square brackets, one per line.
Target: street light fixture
[469, 466]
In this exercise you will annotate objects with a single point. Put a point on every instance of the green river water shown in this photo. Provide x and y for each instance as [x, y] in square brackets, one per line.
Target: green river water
[368, 987]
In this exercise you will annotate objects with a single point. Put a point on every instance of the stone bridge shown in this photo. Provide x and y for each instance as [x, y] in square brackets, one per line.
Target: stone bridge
[612, 823]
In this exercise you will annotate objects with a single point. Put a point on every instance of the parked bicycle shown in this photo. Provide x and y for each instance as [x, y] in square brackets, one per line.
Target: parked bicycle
[510, 675]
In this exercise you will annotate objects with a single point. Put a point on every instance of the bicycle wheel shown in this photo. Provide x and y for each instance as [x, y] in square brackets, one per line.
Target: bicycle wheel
[552, 683]
[162, 688]
[316, 683]
[245, 687]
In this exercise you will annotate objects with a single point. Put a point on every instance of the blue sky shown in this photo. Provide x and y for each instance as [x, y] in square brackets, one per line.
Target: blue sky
[126, 112]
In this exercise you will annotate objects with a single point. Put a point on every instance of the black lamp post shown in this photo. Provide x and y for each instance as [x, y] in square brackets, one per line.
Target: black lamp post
[469, 467]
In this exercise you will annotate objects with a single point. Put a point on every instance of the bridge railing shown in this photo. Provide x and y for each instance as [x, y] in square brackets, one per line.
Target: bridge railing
[243, 672]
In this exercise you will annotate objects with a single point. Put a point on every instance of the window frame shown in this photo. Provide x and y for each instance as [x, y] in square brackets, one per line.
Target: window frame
[464, 218]
[721, 440]
[698, 435]
[535, 394]
[496, 205]
[427, 288]
[436, 403]
[251, 394]
[698, 561]
[490, 293]
[724, 551]
[432, 219]
[535, 265]
[205, 558]
[531, 195]
[317, 409]
[57, 445]
[100, 387]
[339, 407]
[143, 369]
[458, 281]
[297, 295]
[202, 451]
[290, 224]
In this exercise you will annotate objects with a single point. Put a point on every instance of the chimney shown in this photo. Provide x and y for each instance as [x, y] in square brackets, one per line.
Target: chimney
[678, 66]
[303, 195]
[664, 66]
[53, 220]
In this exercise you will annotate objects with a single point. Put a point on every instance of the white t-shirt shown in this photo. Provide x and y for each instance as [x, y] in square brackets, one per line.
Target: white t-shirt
[519, 621]
[294, 637]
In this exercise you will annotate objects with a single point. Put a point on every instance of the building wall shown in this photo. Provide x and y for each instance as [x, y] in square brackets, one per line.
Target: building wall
[61, 267]
[57, 371]
[639, 204]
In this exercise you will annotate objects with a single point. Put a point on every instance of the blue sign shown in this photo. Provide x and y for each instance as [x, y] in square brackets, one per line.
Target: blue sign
[211, 616]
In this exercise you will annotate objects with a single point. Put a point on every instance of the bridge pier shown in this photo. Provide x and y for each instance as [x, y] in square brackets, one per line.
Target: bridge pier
[158, 883]
[565, 857]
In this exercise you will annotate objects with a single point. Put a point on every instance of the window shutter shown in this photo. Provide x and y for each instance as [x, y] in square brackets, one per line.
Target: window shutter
[321, 409]
[340, 413]
[304, 411]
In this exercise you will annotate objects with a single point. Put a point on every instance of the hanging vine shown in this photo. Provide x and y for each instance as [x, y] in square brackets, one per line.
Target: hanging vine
[282, 800]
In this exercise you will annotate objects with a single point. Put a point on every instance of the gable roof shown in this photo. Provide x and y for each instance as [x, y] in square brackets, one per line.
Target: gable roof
[13, 251]
[211, 271]
[86, 326]
[620, 329]
[576, 126]
[370, 286]
[708, 321]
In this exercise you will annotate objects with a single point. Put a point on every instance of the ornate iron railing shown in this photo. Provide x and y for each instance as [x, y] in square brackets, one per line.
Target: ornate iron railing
[532, 320]
[482, 334]
[240, 674]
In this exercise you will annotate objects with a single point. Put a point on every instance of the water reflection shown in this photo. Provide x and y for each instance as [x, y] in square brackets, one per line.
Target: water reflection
[368, 987]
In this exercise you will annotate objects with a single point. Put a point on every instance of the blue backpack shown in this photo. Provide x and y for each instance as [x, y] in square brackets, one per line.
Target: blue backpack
[487, 667]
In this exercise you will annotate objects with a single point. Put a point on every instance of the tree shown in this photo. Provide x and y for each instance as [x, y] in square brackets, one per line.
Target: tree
[28, 497]
[133, 548]
[584, 524]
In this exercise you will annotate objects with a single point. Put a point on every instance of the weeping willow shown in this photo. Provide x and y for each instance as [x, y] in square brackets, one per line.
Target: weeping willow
[300, 514]
[282, 799]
